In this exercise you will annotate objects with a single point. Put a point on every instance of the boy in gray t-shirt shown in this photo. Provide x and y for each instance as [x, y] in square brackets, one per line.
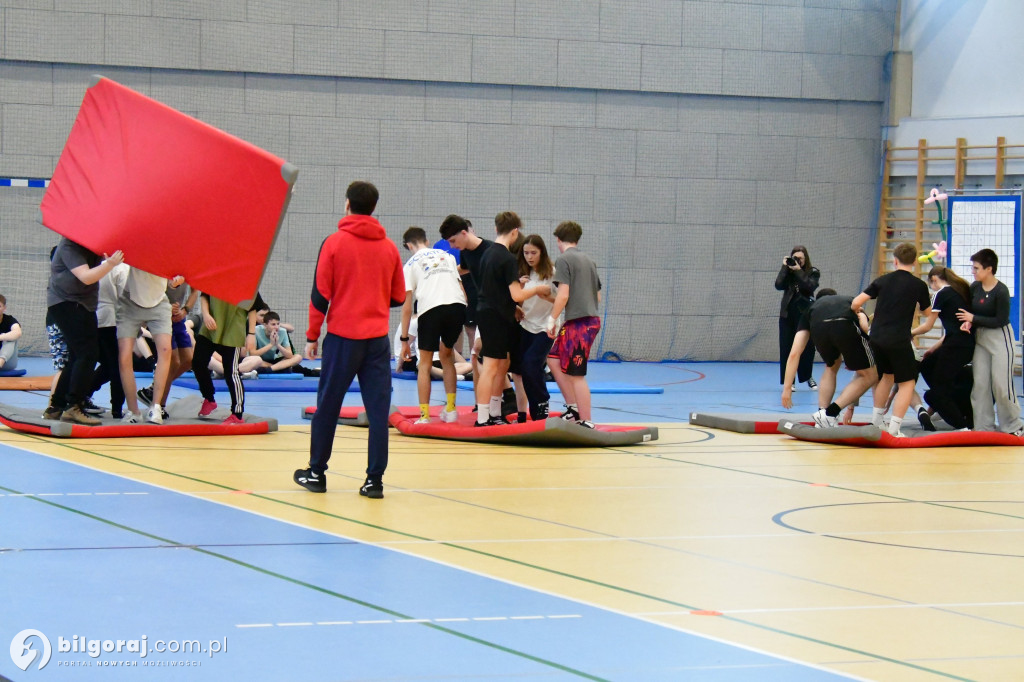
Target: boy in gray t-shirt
[578, 295]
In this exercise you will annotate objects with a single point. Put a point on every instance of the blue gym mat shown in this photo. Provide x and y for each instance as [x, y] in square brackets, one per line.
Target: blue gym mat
[13, 372]
[294, 383]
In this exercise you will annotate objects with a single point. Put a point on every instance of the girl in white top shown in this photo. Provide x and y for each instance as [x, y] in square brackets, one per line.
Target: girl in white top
[536, 271]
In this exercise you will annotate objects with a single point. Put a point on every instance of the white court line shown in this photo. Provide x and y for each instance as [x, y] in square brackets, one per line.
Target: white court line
[561, 616]
[951, 605]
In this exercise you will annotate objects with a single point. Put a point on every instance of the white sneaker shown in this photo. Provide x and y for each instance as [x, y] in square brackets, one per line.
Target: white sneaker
[155, 415]
[131, 418]
[423, 420]
[249, 375]
[898, 434]
[823, 421]
[449, 416]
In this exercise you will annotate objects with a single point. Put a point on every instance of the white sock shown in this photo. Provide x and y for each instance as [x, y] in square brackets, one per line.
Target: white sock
[495, 404]
[483, 413]
[876, 416]
[894, 425]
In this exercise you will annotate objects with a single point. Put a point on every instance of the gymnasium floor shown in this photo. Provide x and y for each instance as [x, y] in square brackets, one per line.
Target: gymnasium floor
[705, 555]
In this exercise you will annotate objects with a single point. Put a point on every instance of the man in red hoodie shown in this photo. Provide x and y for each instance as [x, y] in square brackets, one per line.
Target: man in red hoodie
[358, 278]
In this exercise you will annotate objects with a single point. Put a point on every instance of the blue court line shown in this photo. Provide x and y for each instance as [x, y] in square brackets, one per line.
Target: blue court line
[135, 588]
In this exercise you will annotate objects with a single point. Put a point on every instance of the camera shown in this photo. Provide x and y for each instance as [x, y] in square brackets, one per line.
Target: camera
[790, 261]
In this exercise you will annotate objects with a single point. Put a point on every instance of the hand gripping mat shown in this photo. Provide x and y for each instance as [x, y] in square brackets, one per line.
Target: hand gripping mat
[183, 422]
[872, 437]
[139, 176]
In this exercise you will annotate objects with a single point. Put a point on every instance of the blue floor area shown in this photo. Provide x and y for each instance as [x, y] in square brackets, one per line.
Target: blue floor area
[89, 554]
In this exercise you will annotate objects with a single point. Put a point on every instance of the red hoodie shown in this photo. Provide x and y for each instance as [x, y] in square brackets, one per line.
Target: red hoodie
[358, 278]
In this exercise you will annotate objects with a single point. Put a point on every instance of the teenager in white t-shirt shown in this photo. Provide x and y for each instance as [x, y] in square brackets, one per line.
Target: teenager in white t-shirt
[433, 284]
[536, 271]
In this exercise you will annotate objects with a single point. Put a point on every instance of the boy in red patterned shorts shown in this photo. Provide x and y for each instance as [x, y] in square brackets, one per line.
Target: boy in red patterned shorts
[579, 292]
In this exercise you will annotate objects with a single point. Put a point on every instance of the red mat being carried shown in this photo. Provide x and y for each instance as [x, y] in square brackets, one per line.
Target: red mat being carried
[137, 175]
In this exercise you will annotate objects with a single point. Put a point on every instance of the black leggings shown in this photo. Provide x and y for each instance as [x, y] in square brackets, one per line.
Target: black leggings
[200, 367]
[78, 324]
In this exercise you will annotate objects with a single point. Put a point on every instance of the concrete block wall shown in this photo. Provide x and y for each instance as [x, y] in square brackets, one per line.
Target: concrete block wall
[695, 141]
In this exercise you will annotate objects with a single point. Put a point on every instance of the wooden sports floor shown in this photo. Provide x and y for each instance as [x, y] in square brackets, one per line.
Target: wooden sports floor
[706, 555]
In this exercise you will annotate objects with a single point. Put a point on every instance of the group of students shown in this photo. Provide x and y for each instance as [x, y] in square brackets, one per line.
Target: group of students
[96, 309]
[529, 314]
[975, 350]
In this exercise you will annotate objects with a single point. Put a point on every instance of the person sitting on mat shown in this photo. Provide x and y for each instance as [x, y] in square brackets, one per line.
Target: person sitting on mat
[10, 332]
[273, 346]
[579, 293]
[433, 285]
[463, 369]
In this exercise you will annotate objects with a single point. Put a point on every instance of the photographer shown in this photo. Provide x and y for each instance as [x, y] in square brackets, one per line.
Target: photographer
[797, 279]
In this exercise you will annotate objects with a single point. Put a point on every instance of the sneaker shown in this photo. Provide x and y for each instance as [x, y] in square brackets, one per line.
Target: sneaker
[811, 383]
[449, 416]
[586, 424]
[542, 412]
[207, 409]
[422, 420]
[486, 423]
[926, 420]
[250, 375]
[372, 488]
[898, 434]
[570, 414]
[498, 421]
[164, 414]
[89, 407]
[310, 480]
[75, 415]
[1019, 432]
[155, 415]
[53, 413]
[233, 419]
[117, 414]
[145, 395]
[131, 418]
[823, 421]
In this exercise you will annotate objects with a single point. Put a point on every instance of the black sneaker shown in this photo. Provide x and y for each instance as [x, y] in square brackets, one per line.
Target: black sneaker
[498, 421]
[53, 413]
[89, 407]
[146, 395]
[542, 412]
[372, 488]
[811, 383]
[509, 405]
[570, 414]
[310, 480]
[925, 419]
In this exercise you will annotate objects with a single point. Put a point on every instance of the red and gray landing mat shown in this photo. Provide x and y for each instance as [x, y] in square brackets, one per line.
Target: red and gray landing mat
[746, 423]
[873, 437]
[183, 421]
[551, 432]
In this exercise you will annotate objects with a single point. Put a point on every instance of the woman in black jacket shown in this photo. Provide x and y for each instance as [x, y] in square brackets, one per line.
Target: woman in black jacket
[797, 280]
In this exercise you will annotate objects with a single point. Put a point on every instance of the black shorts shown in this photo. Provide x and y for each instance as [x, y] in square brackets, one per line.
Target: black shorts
[841, 338]
[899, 361]
[441, 323]
[499, 335]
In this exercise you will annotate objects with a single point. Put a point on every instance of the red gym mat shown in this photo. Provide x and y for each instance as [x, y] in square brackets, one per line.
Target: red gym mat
[183, 422]
[873, 437]
[552, 432]
[137, 175]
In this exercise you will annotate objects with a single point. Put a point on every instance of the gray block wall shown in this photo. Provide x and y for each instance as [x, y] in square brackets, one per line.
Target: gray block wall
[695, 141]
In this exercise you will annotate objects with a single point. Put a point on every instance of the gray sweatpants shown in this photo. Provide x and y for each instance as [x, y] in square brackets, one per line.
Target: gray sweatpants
[9, 352]
[993, 381]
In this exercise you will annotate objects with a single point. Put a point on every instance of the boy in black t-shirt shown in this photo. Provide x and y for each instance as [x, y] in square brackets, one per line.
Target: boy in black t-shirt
[10, 332]
[499, 292]
[899, 294]
[839, 335]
